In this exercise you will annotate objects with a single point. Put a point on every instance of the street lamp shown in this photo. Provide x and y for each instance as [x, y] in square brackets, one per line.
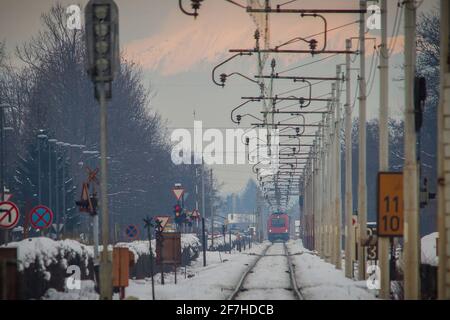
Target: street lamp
[50, 142]
[7, 129]
[40, 137]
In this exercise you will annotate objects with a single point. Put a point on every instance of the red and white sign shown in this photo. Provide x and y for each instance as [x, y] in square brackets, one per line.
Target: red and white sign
[354, 220]
[9, 215]
[195, 214]
[164, 220]
[178, 192]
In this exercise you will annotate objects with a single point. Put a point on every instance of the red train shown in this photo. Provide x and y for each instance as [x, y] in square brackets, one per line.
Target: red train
[278, 227]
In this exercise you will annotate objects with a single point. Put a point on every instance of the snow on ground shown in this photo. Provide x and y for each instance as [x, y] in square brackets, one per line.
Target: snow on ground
[87, 292]
[213, 282]
[319, 280]
[269, 279]
[429, 249]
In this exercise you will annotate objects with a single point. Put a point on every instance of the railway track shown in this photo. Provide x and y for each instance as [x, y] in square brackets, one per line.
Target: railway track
[270, 277]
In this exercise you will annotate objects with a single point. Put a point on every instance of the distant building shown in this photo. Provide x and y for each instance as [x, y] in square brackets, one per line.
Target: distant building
[241, 221]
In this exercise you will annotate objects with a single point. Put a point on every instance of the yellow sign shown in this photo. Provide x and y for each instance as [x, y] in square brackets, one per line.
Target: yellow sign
[390, 204]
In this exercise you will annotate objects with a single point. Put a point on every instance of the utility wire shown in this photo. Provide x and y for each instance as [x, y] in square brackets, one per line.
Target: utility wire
[317, 34]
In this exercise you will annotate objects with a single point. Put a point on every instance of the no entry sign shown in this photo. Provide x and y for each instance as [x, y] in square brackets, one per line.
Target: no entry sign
[132, 232]
[9, 215]
[41, 217]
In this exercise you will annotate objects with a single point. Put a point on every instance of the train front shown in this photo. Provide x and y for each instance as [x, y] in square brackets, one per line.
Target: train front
[278, 227]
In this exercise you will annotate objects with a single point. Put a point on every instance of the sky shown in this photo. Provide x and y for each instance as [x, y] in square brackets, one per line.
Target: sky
[177, 54]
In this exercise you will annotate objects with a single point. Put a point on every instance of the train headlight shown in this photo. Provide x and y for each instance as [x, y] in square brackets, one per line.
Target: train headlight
[270, 230]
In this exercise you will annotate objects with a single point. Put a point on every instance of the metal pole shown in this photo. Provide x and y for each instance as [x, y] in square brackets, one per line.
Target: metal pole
[338, 170]
[443, 158]
[204, 242]
[63, 192]
[229, 238]
[323, 239]
[2, 155]
[57, 191]
[203, 193]
[362, 179]
[348, 166]
[329, 185]
[212, 209]
[2, 167]
[315, 197]
[332, 176]
[383, 243]
[49, 176]
[151, 261]
[196, 198]
[95, 228]
[105, 264]
[411, 181]
[39, 170]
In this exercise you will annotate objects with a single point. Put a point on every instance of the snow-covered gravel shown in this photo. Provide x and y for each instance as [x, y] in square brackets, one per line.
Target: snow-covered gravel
[319, 280]
[269, 279]
[213, 282]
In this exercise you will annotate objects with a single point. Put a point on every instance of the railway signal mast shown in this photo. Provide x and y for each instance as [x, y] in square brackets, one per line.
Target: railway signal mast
[102, 44]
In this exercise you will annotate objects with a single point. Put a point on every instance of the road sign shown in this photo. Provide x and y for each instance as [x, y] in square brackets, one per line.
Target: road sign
[132, 232]
[41, 217]
[164, 220]
[372, 243]
[195, 214]
[390, 204]
[178, 192]
[9, 215]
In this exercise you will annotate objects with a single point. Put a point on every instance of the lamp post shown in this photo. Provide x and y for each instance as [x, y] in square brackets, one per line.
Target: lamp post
[59, 186]
[50, 142]
[40, 137]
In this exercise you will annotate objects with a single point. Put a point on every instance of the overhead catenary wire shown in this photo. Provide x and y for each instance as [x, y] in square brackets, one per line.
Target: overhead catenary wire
[317, 34]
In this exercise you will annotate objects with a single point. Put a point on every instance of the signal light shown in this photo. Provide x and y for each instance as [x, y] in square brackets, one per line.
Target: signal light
[102, 39]
[177, 209]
